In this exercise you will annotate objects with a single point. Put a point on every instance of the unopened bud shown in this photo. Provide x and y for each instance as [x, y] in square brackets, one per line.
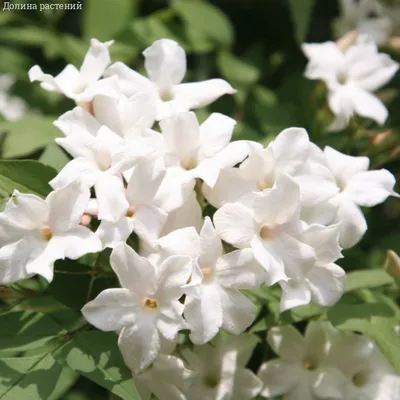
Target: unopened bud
[392, 266]
[347, 40]
[86, 219]
[380, 137]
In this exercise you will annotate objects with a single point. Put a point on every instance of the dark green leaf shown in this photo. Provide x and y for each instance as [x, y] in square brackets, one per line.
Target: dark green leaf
[96, 356]
[207, 20]
[27, 135]
[104, 19]
[27, 176]
[301, 15]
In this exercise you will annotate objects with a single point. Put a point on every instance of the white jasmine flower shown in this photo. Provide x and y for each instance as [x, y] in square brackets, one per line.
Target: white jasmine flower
[34, 233]
[356, 369]
[220, 370]
[144, 308]
[301, 361]
[351, 77]
[322, 283]
[100, 161]
[269, 224]
[216, 303]
[358, 187]
[83, 84]
[142, 216]
[165, 62]
[166, 378]
[369, 17]
[125, 116]
[12, 108]
[289, 153]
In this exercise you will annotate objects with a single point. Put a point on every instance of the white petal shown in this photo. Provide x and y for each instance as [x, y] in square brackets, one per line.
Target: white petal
[111, 198]
[210, 244]
[130, 81]
[342, 106]
[165, 62]
[112, 233]
[324, 240]
[182, 136]
[229, 188]
[12, 263]
[79, 168]
[369, 106]
[139, 344]
[111, 310]
[268, 256]
[370, 188]
[235, 224]
[239, 270]
[326, 284]
[148, 222]
[184, 241]
[96, 60]
[170, 320]
[343, 166]
[352, 223]
[134, 272]
[294, 294]
[78, 241]
[331, 384]
[172, 274]
[278, 377]
[67, 205]
[238, 311]
[280, 204]
[247, 385]
[26, 211]
[144, 182]
[200, 94]
[215, 133]
[290, 149]
[287, 342]
[204, 316]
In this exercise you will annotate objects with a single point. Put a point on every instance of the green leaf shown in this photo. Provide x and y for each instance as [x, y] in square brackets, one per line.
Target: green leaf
[13, 60]
[237, 71]
[376, 319]
[63, 284]
[207, 20]
[25, 330]
[96, 356]
[363, 279]
[54, 157]
[36, 377]
[27, 135]
[27, 176]
[301, 14]
[104, 19]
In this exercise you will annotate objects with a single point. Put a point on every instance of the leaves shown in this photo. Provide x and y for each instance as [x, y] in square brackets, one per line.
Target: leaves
[376, 318]
[103, 20]
[27, 135]
[205, 21]
[363, 279]
[301, 15]
[96, 356]
[27, 176]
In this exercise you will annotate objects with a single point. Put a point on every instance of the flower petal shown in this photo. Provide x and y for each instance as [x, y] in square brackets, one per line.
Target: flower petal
[201, 94]
[235, 224]
[165, 62]
[111, 310]
[10, 270]
[96, 60]
[210, 243]
[294, 294]
[326, 284]
[368, 105]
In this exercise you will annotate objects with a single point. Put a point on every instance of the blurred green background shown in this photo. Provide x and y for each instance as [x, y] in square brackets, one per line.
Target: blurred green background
[254, 44]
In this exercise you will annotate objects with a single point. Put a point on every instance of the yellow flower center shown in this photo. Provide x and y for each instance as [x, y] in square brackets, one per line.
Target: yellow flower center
[360, 379]
[267, 233]
[130, 212]
[208, 272]
[309, 364]
[46, 233]
[150, 303]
